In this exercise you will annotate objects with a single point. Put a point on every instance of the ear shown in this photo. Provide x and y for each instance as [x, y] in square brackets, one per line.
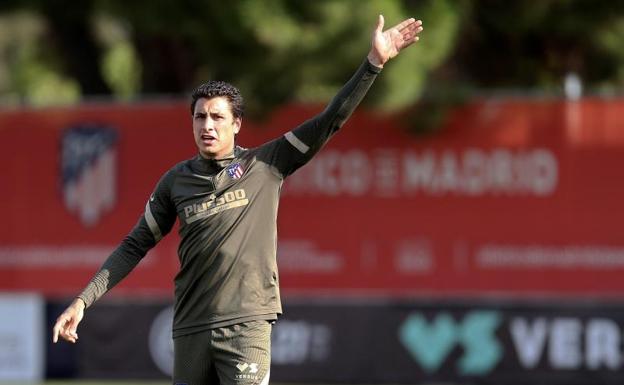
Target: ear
[238, 122]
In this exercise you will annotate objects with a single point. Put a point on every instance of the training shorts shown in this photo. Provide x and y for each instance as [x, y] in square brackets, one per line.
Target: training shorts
[232, 355]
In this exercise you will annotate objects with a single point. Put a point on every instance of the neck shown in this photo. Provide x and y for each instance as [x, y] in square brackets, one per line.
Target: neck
[217, 157]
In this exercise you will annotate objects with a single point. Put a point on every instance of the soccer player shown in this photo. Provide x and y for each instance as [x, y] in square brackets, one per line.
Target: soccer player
[226, 198]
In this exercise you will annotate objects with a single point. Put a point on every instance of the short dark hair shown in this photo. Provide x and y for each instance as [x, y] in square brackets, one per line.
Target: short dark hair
[216, 88]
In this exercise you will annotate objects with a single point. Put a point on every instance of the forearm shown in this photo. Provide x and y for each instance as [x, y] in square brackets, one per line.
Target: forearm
[300, 144]
[118, 265]
[349, 97]
[314, 133]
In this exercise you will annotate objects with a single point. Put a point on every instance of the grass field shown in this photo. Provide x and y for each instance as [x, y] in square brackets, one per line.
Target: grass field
[128, 382]
[94, 382]
[137, 382]
[109, 382]
[82, 382]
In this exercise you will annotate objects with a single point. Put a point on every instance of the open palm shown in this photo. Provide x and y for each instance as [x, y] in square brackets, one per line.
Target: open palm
[387, 44]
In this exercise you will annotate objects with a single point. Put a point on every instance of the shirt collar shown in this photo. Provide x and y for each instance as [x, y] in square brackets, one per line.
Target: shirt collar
[218, 164]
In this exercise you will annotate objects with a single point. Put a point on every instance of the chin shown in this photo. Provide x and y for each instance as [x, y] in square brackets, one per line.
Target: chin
[207, 153]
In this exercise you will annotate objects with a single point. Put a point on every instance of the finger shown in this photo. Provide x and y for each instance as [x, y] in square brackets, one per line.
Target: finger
[405, 24]
[70, 326]
[55, 332]
[67, 336]
[411, 34]
[61, 321]
[412, 28]
[380, 24]
[410, 24]
[407, 43]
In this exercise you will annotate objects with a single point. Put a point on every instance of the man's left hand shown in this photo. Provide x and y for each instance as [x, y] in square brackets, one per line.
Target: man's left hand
[387, 44]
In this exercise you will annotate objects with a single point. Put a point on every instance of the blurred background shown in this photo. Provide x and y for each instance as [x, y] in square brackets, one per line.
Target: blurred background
[464, 227]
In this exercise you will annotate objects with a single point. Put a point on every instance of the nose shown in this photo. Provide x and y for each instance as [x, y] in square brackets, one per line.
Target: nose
[209, 124]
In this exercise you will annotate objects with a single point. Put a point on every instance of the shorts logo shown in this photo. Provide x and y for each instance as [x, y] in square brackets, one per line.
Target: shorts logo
[247, 371]
[235, 171]
[253, 368]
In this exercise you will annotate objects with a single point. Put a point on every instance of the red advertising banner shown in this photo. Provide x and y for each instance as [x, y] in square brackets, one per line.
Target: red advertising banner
[510, 197]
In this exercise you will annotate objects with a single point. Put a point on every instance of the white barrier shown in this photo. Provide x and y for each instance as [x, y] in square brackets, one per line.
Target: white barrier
[21, 337]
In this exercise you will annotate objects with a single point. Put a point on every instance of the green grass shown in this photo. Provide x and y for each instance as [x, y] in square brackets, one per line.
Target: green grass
[99, 382]
[83, 382]
[146, 382]
[94, 382]
[152, 382]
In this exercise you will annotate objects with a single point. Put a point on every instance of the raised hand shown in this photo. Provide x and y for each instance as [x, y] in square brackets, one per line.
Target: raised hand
[387, 44]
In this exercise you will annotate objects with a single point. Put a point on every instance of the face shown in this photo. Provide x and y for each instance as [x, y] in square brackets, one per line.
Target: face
[214, 127]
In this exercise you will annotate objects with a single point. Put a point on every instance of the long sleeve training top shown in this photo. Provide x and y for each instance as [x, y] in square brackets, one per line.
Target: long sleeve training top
[227, 210]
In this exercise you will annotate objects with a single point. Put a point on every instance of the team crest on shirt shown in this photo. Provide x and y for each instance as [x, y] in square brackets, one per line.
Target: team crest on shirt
[235, 171]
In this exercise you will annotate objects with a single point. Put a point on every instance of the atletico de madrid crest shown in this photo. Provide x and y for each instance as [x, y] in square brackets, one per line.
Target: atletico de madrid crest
[89, 171]
[235, 170]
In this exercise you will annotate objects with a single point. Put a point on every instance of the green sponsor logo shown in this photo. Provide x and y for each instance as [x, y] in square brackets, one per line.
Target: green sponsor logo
[430, 343]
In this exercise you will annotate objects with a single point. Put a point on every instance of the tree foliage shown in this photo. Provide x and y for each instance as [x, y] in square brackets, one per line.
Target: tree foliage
[279, 51]
[518, 44]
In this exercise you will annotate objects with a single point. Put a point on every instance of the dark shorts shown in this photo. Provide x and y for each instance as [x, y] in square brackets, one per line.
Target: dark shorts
[232, 355]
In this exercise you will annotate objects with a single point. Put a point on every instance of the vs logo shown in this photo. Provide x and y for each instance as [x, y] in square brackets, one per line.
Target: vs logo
[430, 343]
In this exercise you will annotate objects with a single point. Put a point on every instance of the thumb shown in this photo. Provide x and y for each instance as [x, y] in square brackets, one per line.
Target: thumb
[380, 24]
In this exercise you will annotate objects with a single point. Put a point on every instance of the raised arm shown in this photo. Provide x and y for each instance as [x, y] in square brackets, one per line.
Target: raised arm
[300, 144]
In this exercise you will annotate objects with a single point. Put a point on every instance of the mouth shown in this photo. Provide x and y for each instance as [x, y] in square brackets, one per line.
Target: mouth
[208, 139]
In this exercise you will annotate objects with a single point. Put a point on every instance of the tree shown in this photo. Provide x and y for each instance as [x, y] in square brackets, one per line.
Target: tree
[276, 50]
[279, 51]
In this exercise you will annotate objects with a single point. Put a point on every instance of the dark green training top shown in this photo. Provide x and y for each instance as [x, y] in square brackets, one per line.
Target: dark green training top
[227, 210]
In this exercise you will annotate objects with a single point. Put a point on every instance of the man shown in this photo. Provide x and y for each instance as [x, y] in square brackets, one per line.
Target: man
[226, 198]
